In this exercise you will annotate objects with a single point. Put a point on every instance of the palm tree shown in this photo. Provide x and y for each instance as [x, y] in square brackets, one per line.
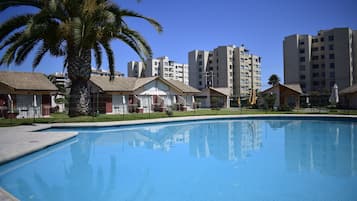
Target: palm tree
[274, 80]
[73, 29]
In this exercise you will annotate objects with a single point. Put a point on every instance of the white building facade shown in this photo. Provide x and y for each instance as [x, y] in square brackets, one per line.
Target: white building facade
[225, 67]
[162, 67]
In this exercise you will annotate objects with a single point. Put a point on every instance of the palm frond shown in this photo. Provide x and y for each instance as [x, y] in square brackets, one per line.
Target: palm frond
[13, 23]
[24, 50]
[128, 13]
[98, 55]
[110, 56]
[9, 55]
[5, 4]
[11, 39]
[136, 42]
[39, 55]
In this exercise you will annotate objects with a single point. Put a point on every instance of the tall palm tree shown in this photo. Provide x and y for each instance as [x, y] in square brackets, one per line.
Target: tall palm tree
[274, 80]
[73, 29]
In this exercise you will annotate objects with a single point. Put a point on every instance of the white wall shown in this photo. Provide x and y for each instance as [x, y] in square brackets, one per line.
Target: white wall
[145, 103]
[61, 107]
[118, 106]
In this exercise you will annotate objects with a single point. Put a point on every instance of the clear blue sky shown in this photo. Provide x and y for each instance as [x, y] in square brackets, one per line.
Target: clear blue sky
[260, 25]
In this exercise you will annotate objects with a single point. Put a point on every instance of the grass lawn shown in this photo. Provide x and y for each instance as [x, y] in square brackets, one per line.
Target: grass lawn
[63, 118]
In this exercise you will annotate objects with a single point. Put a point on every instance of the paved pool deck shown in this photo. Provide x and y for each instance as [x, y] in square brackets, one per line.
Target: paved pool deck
[22, 140]
[19, 141]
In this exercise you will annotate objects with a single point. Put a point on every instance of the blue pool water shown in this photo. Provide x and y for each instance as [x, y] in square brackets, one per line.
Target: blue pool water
[217, 160]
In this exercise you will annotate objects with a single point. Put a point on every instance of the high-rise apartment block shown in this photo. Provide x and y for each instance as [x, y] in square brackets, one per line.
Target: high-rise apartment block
[318, 62]
[227, 67]
[162, 67]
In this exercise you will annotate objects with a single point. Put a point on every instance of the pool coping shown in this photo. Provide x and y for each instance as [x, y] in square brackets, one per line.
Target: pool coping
[29, 134]
[6, 196]
[196, 118]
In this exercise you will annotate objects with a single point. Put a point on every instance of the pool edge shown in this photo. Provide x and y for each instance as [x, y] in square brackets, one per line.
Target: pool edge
[194, 118]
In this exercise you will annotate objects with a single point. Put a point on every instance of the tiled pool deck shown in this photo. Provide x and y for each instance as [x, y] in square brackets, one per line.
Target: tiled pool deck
[18, 141]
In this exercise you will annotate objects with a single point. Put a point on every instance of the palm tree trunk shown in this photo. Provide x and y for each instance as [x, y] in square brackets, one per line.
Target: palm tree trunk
[79, 71]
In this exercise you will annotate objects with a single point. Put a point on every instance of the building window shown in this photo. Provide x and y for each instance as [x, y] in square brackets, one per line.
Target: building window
[323, 74]
[332, 65]
[315, 57]
[322, 39]
[314, 49]
[322, 56]
[322, 65]
[230, 66]
[315, 40]
[200, 63]
[331, 38]
[303, 86]
[302, 77]
[302, 42]
[323, 83]
[315, 83]
[330, 47]
[332, 56]
[200, 56]
[332, 74]
[315, 74]
[302, 59]
[332, 83]
[200, 83]
[322, 48]
[315, 66]
[302, 51]
[302, 67]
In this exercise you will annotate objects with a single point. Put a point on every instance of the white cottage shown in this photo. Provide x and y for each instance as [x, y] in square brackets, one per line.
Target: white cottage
[214, 98]
[129, 94]
[25, 94]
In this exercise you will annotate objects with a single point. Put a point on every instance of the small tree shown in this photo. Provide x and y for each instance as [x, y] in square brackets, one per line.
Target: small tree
[274, 80]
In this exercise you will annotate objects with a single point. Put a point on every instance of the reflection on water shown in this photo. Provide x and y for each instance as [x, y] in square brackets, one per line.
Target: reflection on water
[213, 160]
[226, 141]
[230, 140]
[329, 149]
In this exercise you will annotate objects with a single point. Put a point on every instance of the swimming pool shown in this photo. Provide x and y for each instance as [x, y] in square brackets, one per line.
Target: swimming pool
[231, 159]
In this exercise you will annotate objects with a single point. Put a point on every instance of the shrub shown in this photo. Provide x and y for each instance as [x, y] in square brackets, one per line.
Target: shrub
[169, 112]
[285, 108]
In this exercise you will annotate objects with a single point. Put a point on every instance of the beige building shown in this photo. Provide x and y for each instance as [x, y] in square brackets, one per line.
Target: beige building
[162, 67]
[225, 67]
[318, 62]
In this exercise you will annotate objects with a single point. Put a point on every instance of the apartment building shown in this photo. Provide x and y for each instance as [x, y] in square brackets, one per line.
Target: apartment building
[226, 66]
[102, 72]
[318, 62]
[162, 67]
